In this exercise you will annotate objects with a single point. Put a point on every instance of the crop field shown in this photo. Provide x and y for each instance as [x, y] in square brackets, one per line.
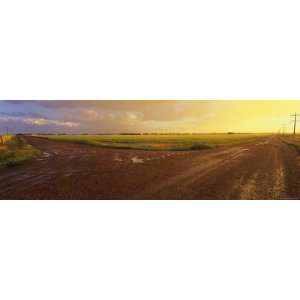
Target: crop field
[158, 141]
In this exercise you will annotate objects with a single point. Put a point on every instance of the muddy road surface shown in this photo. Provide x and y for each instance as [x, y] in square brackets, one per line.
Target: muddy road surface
[266, 168]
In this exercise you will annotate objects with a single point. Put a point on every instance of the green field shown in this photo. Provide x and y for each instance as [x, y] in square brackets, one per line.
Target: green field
[158, 141]
[15, 150]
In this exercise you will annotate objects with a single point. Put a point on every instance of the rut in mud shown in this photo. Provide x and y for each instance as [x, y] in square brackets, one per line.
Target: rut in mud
[263, 169]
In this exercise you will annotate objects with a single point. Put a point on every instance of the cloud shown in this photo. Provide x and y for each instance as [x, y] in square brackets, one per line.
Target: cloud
[147, 109]
[109, 116]
[36, 121]
[90, 113]
[42, 121]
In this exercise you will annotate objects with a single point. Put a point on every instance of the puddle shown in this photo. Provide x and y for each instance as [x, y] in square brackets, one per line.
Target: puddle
[137, 160]
[118, 158]
[263, 143]
[239, 153]
[46, 154]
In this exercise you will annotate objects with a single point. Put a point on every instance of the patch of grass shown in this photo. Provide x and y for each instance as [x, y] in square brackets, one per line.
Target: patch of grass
[175, 142]
[6, 138]
[293, 142]
[16, 150]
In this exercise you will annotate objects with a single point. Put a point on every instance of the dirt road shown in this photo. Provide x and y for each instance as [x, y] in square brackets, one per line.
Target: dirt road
[264, 169]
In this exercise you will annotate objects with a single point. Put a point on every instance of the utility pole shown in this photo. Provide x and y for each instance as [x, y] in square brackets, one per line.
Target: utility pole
[283, 129]
[6, 130]
[295, 121]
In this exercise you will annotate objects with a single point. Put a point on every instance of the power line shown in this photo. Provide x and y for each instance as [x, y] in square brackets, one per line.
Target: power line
[295, 120]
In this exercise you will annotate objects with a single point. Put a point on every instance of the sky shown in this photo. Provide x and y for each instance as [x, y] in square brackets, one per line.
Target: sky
[124, 116]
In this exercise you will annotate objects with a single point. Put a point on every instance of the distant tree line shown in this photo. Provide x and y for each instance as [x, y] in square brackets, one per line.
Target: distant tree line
[135, 133]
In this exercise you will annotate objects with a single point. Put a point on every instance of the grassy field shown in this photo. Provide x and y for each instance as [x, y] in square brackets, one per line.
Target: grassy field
[158, 141]
[15, 150]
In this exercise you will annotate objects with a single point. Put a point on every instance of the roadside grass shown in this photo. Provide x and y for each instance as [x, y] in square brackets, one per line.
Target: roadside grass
[16, 150]
[292, 141]
[6, 138]
[174, 142]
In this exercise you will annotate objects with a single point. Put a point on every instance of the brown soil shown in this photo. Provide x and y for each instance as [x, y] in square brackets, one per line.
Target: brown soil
[263, 169]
